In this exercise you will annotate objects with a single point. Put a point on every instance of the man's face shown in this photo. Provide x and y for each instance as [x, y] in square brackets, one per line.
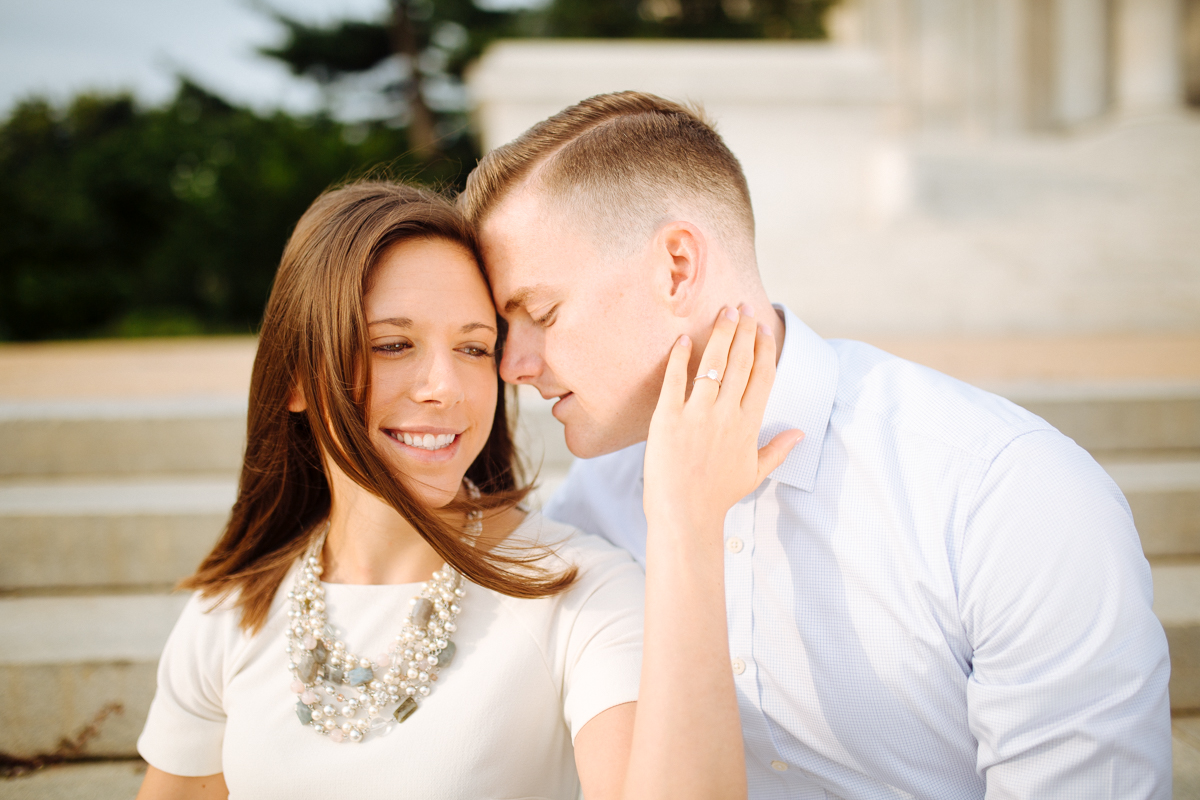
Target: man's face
[584, 326]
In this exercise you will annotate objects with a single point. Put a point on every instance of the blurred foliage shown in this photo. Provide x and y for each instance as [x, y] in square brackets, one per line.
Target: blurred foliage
[435, 40]
[117, 220]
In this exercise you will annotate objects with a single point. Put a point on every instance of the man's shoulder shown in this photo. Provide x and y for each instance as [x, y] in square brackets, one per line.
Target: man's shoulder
[881, 390]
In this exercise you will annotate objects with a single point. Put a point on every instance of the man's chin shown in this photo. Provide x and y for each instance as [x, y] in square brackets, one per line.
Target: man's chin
[592, 443]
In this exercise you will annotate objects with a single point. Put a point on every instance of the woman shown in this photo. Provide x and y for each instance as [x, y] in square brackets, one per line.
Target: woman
[380, 618]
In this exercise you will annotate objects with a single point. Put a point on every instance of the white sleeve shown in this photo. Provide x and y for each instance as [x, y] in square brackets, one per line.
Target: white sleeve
[598, 636]
[186, 725]
[1068, 691]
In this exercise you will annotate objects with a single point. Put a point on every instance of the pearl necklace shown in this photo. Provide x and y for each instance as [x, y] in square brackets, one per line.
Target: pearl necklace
[332, 682]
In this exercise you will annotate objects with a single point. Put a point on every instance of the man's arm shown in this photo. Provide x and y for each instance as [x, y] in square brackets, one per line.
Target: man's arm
[1068, 691]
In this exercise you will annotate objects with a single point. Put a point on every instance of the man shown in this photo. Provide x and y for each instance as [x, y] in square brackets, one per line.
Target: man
[937, 595]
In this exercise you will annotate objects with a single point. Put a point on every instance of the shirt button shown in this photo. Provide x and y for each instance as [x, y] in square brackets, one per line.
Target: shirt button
[739, 666]
[779, 766]
[734, 544]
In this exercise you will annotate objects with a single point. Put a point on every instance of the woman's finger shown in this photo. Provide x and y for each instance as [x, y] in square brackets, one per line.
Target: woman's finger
[773, 453]
[716, 354]
[674, 386]
[740, 359]
[762, 376]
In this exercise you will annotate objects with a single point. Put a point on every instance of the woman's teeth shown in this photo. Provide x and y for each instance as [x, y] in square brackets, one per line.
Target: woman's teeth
[428, 441]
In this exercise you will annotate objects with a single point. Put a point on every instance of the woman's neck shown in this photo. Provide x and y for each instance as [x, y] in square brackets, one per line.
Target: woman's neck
[370, 543]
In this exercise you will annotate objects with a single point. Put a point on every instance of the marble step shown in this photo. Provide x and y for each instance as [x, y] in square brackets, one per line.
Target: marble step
[1132, 416]
[80, 533]
[63, 660]
[110, 437]
[106, 534]
[1164, 496]
[206, 434]
[104, 780]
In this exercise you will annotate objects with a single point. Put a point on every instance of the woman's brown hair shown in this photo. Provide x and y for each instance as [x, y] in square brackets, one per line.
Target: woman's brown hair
[314, 341]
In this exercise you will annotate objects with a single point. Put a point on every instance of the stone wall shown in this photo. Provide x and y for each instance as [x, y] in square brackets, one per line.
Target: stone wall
[943, 167]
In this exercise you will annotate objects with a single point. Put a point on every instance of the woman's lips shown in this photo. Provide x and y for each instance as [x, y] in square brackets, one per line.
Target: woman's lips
[426, 447]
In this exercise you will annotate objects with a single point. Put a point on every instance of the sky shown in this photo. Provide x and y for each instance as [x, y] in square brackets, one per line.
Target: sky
[57, 48]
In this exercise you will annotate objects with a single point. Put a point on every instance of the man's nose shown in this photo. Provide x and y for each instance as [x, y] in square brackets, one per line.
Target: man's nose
[522, 359]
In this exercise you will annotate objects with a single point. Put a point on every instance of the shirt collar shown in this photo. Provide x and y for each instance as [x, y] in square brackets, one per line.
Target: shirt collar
[802, 397]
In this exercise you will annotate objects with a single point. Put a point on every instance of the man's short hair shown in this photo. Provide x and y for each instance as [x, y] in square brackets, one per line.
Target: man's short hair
[622, 161]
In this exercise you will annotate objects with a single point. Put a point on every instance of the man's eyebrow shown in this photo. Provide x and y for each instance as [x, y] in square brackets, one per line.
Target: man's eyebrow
[520, 297]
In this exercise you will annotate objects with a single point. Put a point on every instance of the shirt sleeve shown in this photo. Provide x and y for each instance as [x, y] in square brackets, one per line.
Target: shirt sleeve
[186, 726]
[1068, 691]
[599, 631]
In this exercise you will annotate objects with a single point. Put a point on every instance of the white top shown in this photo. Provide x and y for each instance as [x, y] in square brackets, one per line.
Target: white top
[937, 595]
[499, 723]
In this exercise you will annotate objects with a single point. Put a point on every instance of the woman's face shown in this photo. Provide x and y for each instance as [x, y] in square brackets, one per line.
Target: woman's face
[432, 331]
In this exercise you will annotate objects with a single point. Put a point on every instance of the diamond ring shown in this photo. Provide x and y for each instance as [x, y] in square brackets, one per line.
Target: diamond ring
[711, 375]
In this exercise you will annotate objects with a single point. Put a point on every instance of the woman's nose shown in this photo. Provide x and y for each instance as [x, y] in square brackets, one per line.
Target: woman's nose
[438, 380]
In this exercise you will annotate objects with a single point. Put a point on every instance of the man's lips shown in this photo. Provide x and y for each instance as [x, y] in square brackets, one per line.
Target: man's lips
[559, 405]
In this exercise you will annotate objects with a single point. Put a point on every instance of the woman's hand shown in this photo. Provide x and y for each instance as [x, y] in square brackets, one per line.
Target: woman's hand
[702, 454]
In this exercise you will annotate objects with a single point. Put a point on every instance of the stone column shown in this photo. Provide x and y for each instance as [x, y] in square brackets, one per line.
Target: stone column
[1149, 59]
[1081, 60]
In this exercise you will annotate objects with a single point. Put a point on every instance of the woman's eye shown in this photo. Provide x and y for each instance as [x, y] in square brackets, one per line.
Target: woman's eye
[477, 350]
[547, 319]
[391, 347]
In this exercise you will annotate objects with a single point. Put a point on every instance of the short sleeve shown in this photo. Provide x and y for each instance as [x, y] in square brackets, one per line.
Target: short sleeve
[186, 726]
[1068, 691]
[600, 631]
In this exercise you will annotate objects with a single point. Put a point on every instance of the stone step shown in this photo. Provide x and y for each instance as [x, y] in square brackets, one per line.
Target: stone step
[109, 533]
[1177, 604]
[109, 437]
[1165, 499]
[105, 535]
[1137, 416]
[68, 664]
[65, 659]
[105, 780]
[113, 437]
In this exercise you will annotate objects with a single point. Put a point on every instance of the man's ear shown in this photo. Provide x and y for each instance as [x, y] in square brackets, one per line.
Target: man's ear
[296, 401]
[685, 253]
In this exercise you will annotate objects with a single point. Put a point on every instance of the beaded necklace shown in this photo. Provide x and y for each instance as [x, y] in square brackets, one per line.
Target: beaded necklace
[345, 696]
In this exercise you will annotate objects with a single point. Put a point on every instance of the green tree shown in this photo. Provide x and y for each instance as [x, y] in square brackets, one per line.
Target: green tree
[118, 220]
[436, 39]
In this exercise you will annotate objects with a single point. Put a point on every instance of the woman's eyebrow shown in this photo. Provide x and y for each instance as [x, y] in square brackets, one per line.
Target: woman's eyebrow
[405, 322]
[474, 326]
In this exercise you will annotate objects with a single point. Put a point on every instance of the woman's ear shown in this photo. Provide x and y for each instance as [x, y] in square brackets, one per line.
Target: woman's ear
[684, 254]
[296, 402]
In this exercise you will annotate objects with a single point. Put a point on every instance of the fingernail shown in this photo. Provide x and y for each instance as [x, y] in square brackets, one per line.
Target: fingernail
[731, 314]
[747, 311]
[684, 340]
[764, 330]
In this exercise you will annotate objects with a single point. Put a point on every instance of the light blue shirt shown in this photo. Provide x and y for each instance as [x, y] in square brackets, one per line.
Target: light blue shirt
[937, 595]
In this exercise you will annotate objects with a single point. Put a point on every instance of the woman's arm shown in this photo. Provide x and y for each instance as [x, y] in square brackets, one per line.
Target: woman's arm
[159, 785]
[683, 737]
